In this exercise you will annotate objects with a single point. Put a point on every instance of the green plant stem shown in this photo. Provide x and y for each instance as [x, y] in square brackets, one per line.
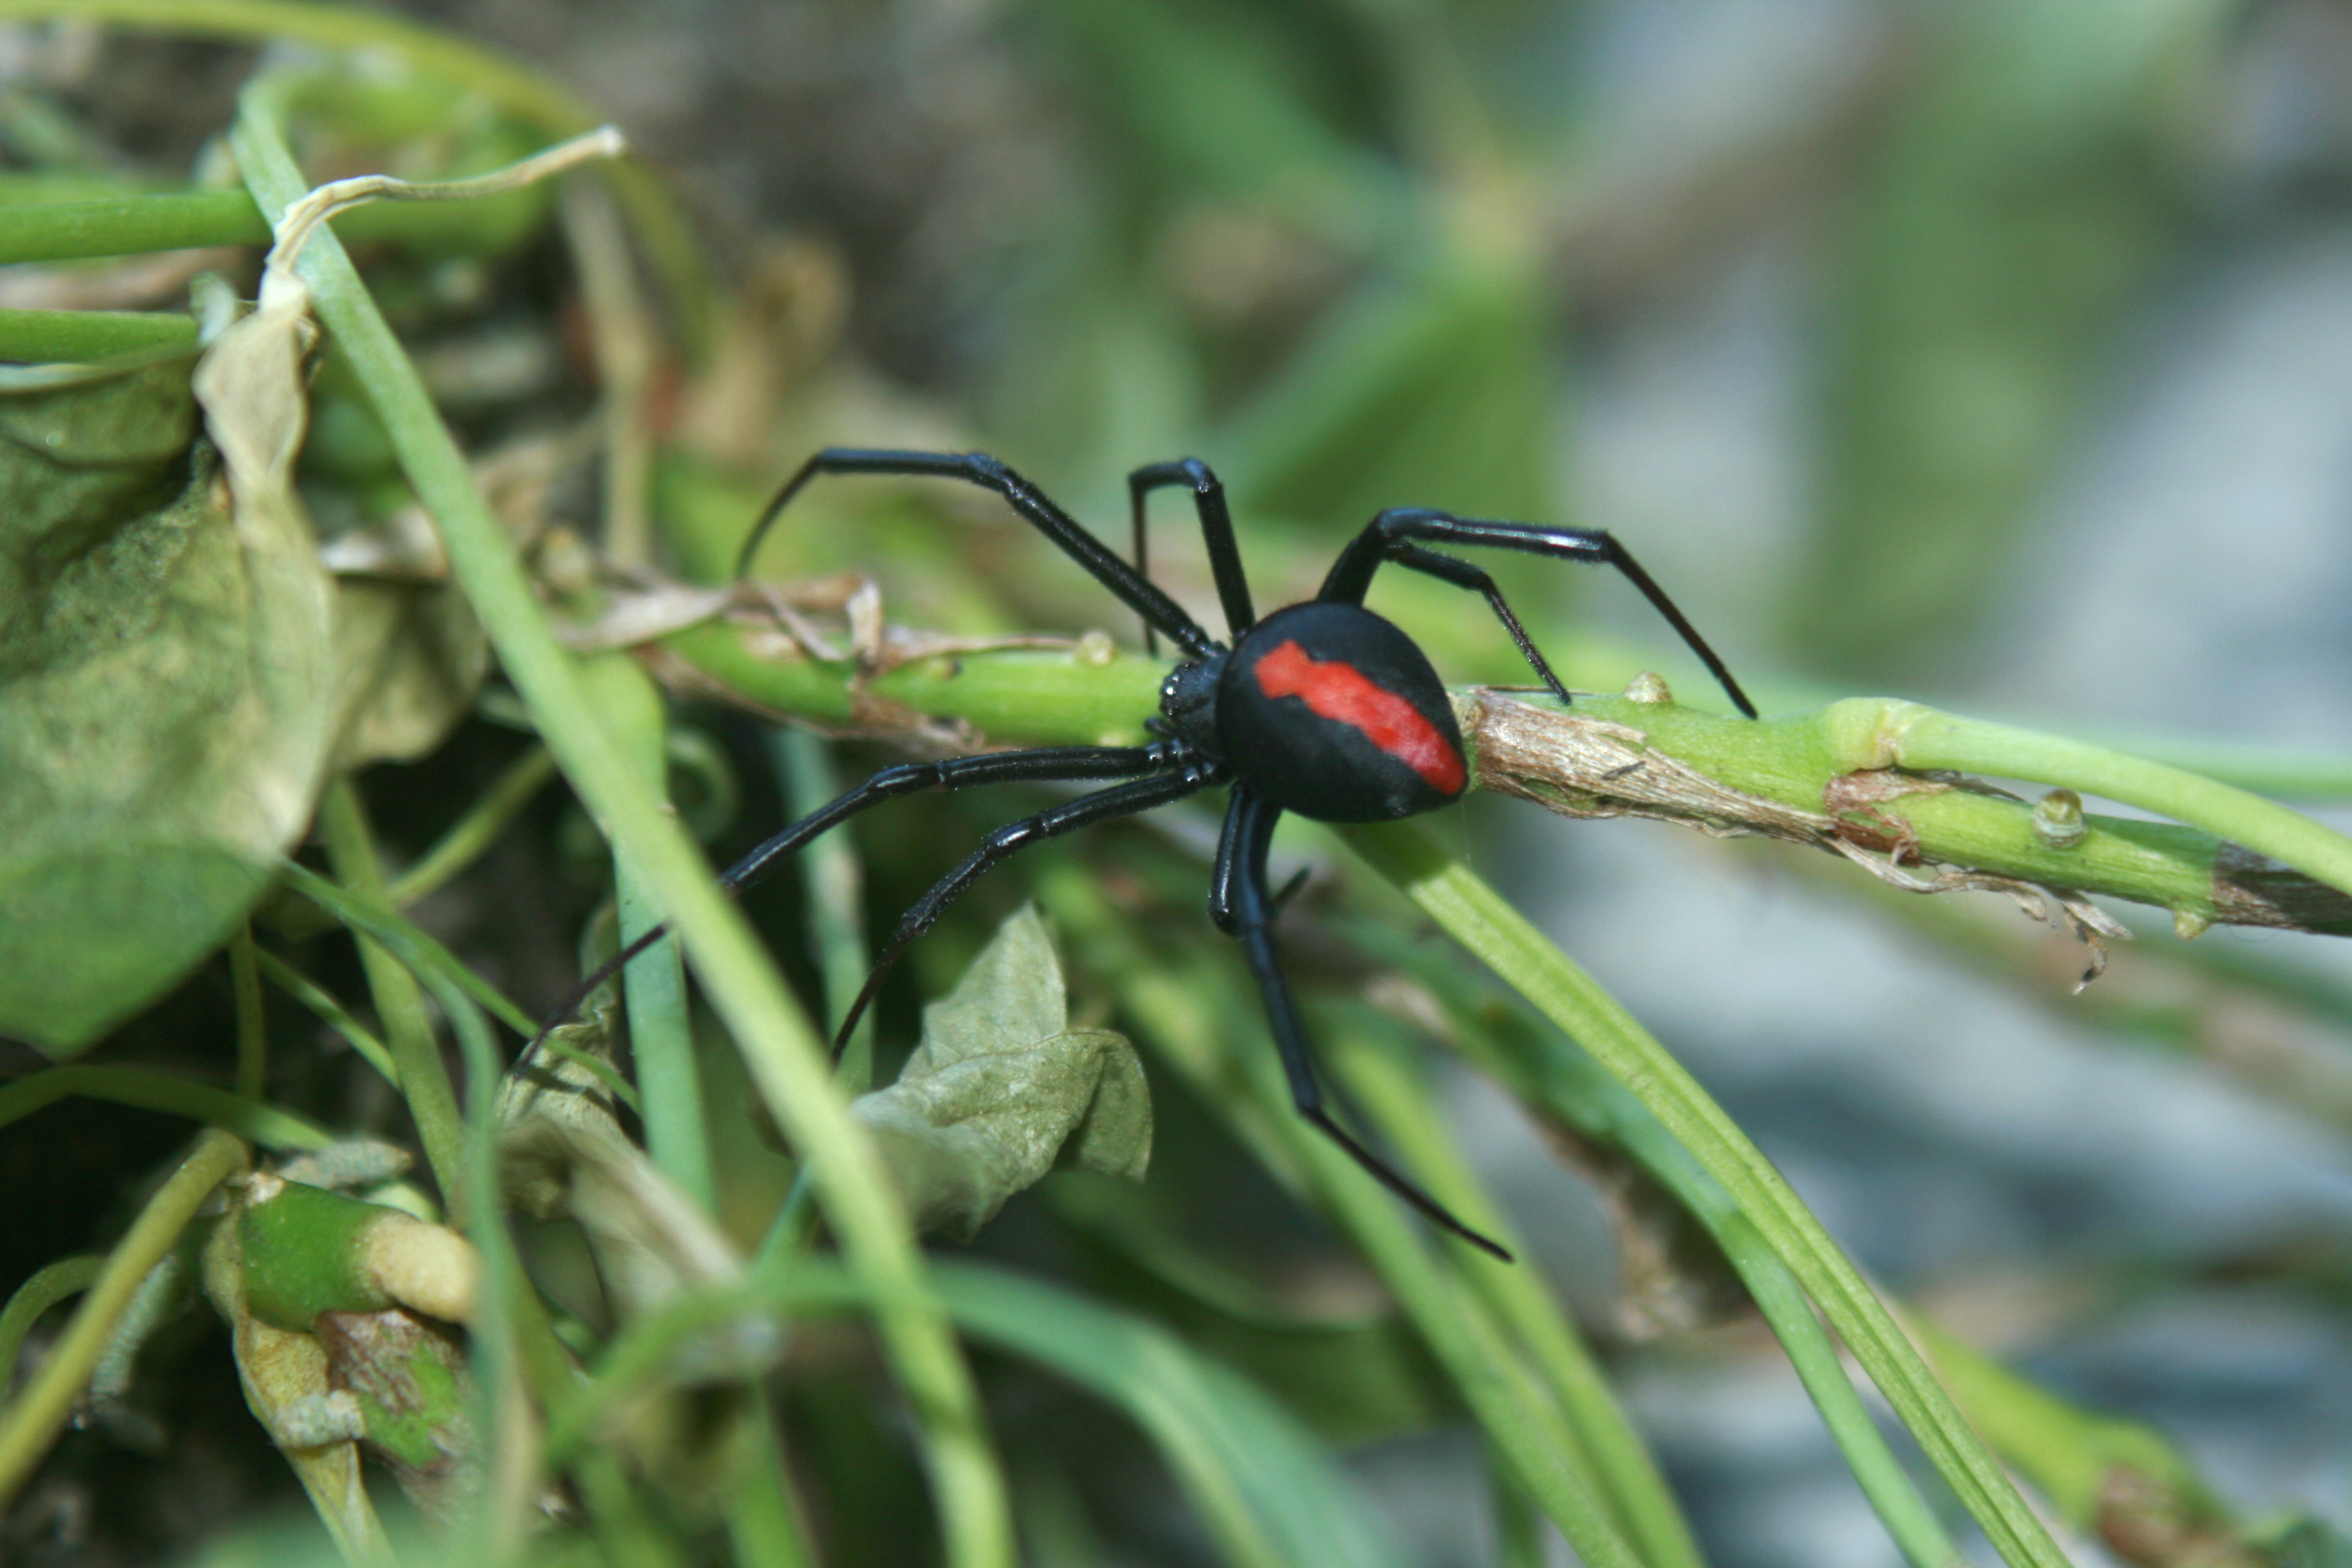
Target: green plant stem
[1518, 1523]
[2071, 1454]
[1085, 695]
[129, 224]
[473, 833]
[46, 1287]
[76, 337]
[1045, 698]
[405, 940]
[661, 1032]
[784, 1059]
[1868, 732]
[408, 1031]
[509, 1339]
[1809, 761]
[515, 89]
[1182, 1008]
[835, 900]
[331, 1013]
[149, 1089]
[1625, 1476]
[1475, 915]
[763, 1515]
[1549, 1076]
[252, 1037]
[31, 1421]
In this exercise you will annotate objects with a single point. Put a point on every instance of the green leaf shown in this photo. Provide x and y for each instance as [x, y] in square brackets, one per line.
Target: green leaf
[164, 698]
[1002, 1087]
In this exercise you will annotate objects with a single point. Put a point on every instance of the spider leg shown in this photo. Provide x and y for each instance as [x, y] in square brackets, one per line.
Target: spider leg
[1251, 825]
[1216, 531]
[1221, 872]
[978, 468]
[1390, 536]
[1048, 763]
[1466, 574]
[1120, 800]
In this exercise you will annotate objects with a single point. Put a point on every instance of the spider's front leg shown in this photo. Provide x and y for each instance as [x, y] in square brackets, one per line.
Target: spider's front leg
[1217, 533]
[1045, 764]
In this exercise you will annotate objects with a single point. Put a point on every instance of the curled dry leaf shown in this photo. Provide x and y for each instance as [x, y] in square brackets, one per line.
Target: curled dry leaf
[1002, 1090]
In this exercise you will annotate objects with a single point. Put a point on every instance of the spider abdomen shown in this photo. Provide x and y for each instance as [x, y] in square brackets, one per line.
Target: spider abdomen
[1333, 712]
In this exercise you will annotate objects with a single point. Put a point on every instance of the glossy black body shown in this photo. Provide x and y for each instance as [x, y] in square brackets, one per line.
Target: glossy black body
[1363, 732]
[1328, 768]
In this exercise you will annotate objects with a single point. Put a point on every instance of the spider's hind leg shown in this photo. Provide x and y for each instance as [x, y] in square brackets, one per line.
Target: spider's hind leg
[1250, 825]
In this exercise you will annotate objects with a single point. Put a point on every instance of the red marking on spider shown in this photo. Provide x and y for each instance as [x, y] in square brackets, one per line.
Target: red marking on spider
[1340, 691]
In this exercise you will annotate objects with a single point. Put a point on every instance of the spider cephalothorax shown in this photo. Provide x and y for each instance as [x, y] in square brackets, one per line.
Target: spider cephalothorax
[1322, 708]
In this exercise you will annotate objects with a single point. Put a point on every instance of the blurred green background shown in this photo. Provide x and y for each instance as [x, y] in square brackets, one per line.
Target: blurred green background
[1998, 355]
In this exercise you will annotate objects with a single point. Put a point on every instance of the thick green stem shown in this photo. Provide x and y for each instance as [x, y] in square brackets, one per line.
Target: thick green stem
[1874, 732]
[786, 1061]
[514, 88]
[77, 337]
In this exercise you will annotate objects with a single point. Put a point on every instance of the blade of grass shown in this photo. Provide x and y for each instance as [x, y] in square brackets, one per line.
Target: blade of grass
[407, 942]
[331, 1013]
[785, 1060]
[1475, 915]
[1546, 1074]
[473, 833]
[408, 1031]
[515, 90]
[661, 1032]
[1398, 1099]
[508, 1338]
[1180, 1002]
[835, 884]
[32, 1420]
[1262, 1485]
[149, 1089]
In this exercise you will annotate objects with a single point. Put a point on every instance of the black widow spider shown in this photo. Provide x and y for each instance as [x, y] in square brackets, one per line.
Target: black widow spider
[1322, 707]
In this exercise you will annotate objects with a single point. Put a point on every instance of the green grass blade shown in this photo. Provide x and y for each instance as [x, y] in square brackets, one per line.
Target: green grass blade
[1478, 918]
[784, 1059]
